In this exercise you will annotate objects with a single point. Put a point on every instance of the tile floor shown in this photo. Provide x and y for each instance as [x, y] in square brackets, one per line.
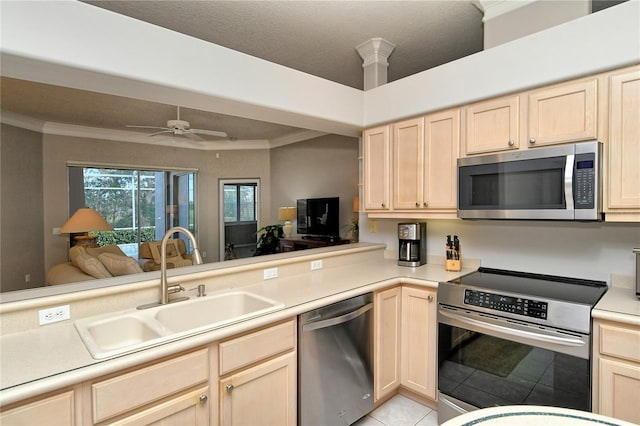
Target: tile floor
[400, 411]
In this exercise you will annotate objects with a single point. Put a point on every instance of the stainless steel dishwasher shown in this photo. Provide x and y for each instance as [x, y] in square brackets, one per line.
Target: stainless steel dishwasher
[335, 360]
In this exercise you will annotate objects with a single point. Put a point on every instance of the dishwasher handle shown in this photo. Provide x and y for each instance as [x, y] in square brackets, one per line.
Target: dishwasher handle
[337, 320]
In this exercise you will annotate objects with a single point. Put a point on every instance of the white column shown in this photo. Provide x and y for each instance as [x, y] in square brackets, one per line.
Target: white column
[374, 54]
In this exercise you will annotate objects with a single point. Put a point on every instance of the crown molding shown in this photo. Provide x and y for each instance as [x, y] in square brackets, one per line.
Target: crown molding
[495, 8]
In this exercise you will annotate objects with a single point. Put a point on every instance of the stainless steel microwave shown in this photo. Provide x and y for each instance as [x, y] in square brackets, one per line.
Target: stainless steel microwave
[556, 183]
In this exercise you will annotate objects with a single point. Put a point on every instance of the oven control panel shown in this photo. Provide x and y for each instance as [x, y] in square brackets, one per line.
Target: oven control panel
[514, 305]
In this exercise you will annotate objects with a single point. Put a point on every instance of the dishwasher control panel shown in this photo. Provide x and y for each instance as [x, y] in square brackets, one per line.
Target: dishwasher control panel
[514, 305]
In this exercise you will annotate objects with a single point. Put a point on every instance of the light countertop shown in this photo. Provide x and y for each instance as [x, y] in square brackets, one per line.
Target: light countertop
[54, 356]
[619, 304]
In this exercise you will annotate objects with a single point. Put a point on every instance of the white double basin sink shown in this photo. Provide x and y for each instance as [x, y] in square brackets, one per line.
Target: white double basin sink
[119, 333]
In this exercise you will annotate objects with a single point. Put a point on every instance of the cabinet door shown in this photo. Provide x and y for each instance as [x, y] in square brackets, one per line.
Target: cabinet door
[492, 125]
[408, 164]
[623, 169]
[442, 145]
[191, 408]
[563, 113]
[619, 390]
[418, 339]
[54, 410]
[261, 395]
[386, 361]
[376, 147]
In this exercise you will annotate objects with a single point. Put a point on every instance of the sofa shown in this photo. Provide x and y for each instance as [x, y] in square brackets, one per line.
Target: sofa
[90, 263]
[177, 255]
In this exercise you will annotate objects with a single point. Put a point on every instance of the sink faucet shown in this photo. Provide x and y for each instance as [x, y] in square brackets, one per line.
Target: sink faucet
[164, 286]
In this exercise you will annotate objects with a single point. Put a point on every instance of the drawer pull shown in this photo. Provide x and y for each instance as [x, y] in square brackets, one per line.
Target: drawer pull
[203, 399]
[532, 141]
[511, 143]
[229, 388]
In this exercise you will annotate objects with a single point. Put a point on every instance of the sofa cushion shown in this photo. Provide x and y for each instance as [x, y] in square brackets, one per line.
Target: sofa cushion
[92, 266]
[64, 273]
[173, 253]
[119, 265]
[111, 248]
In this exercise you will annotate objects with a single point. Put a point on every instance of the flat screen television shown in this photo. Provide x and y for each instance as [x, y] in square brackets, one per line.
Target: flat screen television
[319, 217]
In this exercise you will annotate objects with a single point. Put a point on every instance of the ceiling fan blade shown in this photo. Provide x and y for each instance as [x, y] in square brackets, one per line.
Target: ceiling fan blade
[160, 133]
[146, 127]
[193, 136]
[209, 132]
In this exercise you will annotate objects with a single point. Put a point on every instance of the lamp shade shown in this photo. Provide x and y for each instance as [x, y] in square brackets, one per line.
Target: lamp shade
[287, 213]
[85, 219]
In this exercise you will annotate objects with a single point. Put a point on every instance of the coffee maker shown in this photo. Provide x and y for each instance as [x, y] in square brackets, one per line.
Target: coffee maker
[412, 244]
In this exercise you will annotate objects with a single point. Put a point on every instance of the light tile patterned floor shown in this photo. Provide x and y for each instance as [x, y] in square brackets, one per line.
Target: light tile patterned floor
[400, 411]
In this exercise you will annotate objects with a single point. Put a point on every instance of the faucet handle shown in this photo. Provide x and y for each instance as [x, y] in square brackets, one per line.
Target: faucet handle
[175, 289]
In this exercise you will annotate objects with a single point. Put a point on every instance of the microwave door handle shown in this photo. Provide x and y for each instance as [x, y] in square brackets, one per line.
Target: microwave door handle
[568, 182]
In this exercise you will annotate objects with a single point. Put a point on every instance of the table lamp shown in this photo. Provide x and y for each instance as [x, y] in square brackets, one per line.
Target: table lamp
[85, 219]
[287, 214]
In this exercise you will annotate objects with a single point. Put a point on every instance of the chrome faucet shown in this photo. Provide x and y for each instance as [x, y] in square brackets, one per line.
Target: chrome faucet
[164, 286]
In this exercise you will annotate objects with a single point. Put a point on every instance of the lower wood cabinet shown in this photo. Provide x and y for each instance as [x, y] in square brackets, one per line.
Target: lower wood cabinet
[405, 341]
[56, 409]
[616, 365]
[418, 364]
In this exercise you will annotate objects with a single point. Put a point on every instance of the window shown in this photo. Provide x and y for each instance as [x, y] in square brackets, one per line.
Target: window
[239, 206]
[240, 202]
[141, 205]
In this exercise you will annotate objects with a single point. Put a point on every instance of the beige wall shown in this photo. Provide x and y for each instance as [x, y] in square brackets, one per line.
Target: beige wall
[21, 251]
[211, 165]
[322, 167]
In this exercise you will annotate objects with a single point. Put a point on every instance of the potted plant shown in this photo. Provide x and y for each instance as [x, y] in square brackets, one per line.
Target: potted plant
[268, 242]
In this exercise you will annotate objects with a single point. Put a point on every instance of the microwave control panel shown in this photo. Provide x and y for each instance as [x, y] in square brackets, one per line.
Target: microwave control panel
[584, 181]
[514, 305]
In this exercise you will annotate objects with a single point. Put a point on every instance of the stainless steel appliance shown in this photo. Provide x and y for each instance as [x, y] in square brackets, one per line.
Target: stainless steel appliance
[556, 183]
[637, 253]
[412, 244]
[508, 337]
[335, 360]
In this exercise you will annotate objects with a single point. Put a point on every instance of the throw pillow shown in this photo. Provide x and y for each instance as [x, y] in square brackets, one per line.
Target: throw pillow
[172, 251]
[76, 251]
[111, 248]
[119, 265]
[92, 266]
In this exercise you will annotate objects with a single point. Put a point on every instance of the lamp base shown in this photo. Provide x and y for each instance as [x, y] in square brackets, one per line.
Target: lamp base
[287, 229]
[86, 240]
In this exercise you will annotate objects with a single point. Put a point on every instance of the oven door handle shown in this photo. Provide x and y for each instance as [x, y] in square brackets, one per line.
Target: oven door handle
[566, 341]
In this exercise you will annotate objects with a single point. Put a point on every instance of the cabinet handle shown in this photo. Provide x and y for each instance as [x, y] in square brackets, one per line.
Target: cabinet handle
[425, 204]
[229, 388]
[382, 205]
[430, 298]
[511, 143]
[203, 399]
[417, 204]
[532, 141]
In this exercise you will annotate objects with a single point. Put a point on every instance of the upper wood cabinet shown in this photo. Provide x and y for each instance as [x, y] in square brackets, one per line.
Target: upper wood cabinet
[622, 162]
[562, 113]
[408, 164]
[442, 149]
[492, 125]
[376, 168]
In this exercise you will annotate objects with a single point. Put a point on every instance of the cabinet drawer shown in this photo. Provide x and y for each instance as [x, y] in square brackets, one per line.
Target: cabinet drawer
[620, 342]
[55, 410]
[123, 393]
[253, 347]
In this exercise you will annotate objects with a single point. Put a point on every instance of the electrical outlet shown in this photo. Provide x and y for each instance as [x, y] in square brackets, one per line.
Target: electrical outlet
[373, 226]
[316, 264]
[51, 315]
[270, 273]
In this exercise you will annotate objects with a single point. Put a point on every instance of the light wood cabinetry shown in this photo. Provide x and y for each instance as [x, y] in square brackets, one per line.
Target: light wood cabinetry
[408, 164]
[418, 348]
[492, 125]
[387, 321]
[622, 191]
[565, 112]
[376, 168]
[174, 391]
[56, 409]
[258, 377]
[616, 364]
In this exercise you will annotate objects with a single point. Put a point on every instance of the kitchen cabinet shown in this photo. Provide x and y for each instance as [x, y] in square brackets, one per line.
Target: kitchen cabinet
[566, 112]
[172, 391]
[425, 151]
[56, 409]
[386, 361]
[492, 125]
[616, 364]
[622, 164]
[376, 168]
[258, 377]
[418, 341]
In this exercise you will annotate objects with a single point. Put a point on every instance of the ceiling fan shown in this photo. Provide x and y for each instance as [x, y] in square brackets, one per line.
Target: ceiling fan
[181, 128]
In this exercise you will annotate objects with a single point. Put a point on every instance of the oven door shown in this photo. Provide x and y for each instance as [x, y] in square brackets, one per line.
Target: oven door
[486, 361]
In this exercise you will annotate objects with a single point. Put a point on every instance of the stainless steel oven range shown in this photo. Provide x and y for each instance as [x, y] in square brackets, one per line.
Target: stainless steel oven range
[507, 337]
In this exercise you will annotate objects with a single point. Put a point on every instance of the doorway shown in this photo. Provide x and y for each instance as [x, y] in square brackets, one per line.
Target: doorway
[239, 205]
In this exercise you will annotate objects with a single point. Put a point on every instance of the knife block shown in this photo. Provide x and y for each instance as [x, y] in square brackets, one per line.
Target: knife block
[453, 262]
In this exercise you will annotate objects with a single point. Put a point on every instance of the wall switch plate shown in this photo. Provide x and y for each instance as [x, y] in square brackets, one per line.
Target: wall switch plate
[316, 264]
[270, 273]
[51, 315]
[373, 226]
